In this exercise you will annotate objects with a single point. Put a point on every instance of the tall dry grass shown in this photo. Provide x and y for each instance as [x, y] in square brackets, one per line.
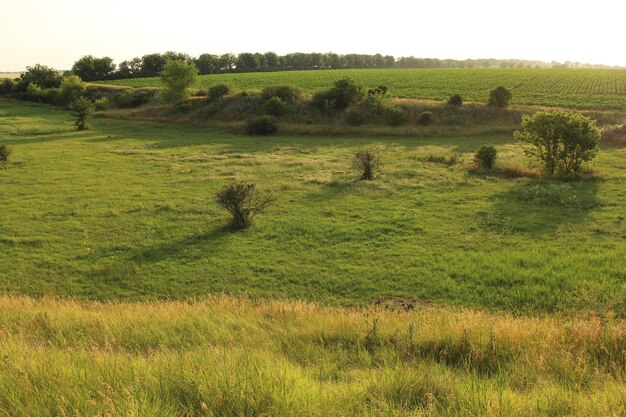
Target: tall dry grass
[226, 356]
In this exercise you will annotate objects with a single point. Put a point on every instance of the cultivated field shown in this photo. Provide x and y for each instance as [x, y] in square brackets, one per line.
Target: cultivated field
[579, 88]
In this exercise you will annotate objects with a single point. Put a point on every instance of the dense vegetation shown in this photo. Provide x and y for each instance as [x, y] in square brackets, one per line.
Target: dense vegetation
[127, 210]
[579, 88]
[232, 357]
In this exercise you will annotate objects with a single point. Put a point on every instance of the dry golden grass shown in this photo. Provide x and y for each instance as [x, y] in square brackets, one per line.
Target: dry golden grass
[235, 356]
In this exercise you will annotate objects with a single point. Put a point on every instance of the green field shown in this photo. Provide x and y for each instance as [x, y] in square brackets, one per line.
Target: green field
[127, 211]
[579, 88]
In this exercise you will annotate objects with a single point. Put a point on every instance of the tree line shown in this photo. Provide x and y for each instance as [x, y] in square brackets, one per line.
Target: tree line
[91, 68]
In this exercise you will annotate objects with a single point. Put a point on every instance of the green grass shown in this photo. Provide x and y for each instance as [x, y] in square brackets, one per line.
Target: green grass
[232, 357]
[580, 88]
[127, 211]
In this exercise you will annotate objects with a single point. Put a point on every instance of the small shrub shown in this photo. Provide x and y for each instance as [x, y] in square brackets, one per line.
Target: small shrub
[367, 163]
[83, 110]
[262, 125]
[71, 88]
[218, 91]
[425, 118]
[7, 86]
[354, 117]
[243, 201]
[455, 100]
[485, 157]
[500, 97]
[34, 92]
[286, 93]
[380, 90]
[275, 106]
[5, 152]
[101, 103]
[394, 116]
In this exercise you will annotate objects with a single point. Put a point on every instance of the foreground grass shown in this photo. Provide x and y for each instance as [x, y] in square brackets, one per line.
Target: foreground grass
[126, 211]
[580, 88]
[226, 356]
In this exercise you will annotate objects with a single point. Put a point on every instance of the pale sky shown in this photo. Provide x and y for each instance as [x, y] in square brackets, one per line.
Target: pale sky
[57, 32]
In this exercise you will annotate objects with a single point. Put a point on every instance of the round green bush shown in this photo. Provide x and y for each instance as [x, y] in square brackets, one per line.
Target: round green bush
[455, 100]
[485, 157]
[425, 118]
[218, 91]
[262, 125]
[275, 106]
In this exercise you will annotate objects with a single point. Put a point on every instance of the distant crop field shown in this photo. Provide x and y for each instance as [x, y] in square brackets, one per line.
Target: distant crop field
[10, 75]
[579, 88]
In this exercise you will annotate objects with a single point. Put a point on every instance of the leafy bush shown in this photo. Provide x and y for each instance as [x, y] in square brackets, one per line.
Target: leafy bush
[101, 103]
[367, 163]
[394, 116]
[71, 88]
[83, 110]
[33, 92]
[262, 125]
[5, 152]
[485, 157]
[380, 90]
[218, 91]
[243, 201]
[275, 106]
[344, 93]
[41, 76]
[354, 117]
[455, 100]
[500, 97]
[561, 140]
[7, 86]
[177, 78]
[286, 93]
[425, 118]
[129, 98]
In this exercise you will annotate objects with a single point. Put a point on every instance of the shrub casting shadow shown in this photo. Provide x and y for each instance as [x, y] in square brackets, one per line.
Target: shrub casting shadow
[541, 206]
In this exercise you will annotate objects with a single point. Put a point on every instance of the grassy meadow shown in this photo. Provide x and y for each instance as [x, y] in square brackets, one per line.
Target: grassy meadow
[434, 290]
[579, 88]
[228, 356]
[126, 211]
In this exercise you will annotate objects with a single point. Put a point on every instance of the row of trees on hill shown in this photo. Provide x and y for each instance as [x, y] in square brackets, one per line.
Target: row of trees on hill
[91, 68]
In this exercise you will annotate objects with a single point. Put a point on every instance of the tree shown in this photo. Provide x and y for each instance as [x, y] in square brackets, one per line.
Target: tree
[177, 78]
[152, 65]
[561, 140]
[500, 97]
[207, 64]
[71, 88]
[83, 110]
[243, 201]
[41, 76]
[90, 68]
[247, 62]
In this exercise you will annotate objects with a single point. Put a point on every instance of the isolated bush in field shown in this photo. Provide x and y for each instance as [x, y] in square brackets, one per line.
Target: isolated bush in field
[286, 93]
[83, 110]
[367, 163]
[177, 78]
[485, 157]
[500, 97]
[561, 140]
[275, 106]
[218, 91]
[354, 117]
[5, 152]
[344, 93]
[243, 201]
[455, 100]
[262, 125]
[425, 118]
[394, 116]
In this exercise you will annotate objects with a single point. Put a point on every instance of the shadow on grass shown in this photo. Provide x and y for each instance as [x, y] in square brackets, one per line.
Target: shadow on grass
[541, 206]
